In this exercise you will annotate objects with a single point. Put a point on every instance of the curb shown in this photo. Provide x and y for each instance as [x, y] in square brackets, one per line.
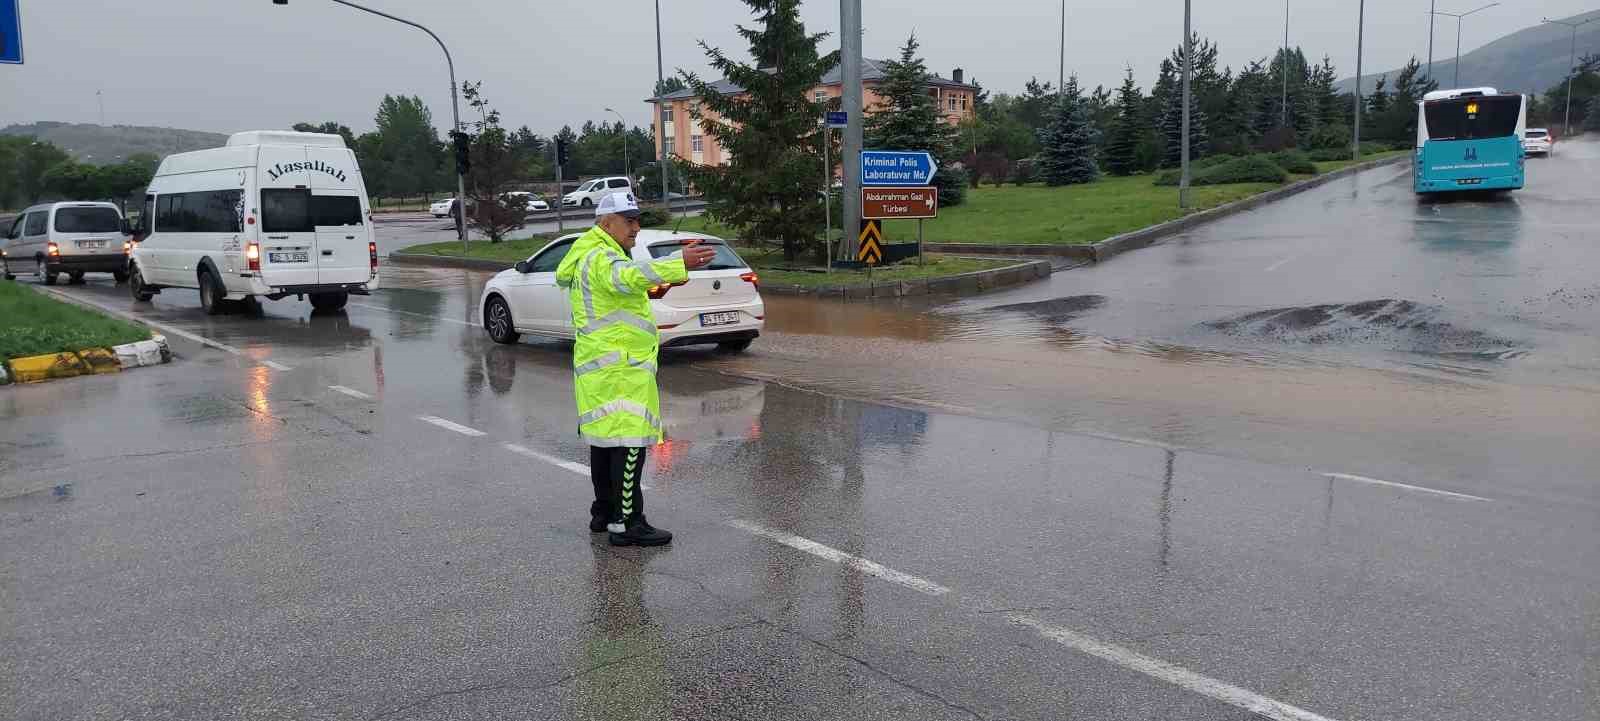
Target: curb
[1143, 237]
[446, 261]
[89, 361]
[963, 284]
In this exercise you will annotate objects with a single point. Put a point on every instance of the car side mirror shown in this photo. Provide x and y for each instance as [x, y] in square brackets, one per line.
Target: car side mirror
[523, 267]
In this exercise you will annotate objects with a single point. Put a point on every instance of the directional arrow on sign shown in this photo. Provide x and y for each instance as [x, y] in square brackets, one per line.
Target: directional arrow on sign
[897, 167]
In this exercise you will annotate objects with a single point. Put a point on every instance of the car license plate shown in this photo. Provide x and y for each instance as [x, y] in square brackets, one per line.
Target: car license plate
[91, 244]
[297, 256]
[725, 318]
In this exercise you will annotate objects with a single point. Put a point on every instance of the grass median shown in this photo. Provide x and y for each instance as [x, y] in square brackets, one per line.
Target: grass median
[32, 323]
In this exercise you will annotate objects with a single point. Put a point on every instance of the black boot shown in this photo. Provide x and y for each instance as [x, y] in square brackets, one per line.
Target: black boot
[639, 533]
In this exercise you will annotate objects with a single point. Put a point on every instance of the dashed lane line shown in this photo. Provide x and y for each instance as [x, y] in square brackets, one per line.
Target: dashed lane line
[578, 468]
[452, 426]
[1169, 672]
[863, 565]
[353, 393]
[1404, 486]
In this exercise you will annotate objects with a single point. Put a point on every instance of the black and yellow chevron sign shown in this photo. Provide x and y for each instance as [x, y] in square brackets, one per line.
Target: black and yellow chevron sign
[871, 239]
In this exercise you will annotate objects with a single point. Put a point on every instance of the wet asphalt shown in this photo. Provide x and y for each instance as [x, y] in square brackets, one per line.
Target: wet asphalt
[1135, 491]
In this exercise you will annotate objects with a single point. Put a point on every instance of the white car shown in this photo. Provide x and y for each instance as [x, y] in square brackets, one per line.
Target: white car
[442, 208]
[534, 202]
[1537, 141]
[589, 194]
[721, 303]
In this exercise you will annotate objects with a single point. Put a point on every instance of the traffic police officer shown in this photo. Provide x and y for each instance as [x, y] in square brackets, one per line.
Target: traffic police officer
[614, 361]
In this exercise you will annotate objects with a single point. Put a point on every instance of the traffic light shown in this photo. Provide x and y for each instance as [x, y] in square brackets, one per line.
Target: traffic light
[463, 152]
[562, 152]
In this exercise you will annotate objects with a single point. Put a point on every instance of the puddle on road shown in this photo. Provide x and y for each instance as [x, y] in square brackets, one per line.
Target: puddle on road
[1054, 310]
[1390, 324]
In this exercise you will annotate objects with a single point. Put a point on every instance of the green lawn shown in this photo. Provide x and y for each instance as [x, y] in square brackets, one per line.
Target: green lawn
[32, 323]
[507, 250]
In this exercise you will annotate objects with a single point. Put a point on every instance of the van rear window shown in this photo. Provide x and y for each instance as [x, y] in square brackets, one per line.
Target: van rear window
[88, 220]
[296, 210]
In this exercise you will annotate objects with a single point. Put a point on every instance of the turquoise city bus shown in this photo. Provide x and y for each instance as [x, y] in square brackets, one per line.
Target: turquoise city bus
[1469, 139]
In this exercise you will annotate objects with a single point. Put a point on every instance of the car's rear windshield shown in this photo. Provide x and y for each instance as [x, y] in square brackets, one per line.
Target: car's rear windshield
[88, 220]
[1473, 117]
[296, 210]
[1537, 133]
[725, 259]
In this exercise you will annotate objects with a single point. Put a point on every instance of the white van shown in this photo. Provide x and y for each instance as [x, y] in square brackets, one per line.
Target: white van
[72, 238]
[271, 214]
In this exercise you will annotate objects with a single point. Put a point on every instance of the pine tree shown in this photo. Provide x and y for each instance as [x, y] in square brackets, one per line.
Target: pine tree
[1122, 147]
[769, 190]
[1069, 140]
[1172, 130]
[1591, 122]
[909, 119]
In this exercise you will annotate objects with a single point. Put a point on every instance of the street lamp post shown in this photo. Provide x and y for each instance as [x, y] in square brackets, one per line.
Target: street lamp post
[455, 109]
[626, 166]
[1183, 144]
[1572, 68]
[1458, 16]
[1361, 26]
[1283, 114]
[661, 116]
[1432, 6]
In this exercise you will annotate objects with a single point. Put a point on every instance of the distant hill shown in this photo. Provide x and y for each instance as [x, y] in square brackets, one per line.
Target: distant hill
[100, 144]
[1529, 60]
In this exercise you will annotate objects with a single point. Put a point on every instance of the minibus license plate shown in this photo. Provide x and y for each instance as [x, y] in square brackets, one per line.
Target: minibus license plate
[296, 256]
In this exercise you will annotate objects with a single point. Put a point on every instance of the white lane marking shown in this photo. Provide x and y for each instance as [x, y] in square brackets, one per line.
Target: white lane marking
[353, 393]
[870, 568]
[451, 426]
[407, 312]
[1406, 486]
[1169, 672]
[1278, 264]
[578, 468]
[164, 328]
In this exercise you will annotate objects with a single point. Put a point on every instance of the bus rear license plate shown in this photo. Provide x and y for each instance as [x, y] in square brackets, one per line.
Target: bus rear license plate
[710, 319]
[298, 256]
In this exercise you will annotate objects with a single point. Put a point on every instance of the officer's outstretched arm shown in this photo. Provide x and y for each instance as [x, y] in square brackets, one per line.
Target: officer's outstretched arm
[630, 277]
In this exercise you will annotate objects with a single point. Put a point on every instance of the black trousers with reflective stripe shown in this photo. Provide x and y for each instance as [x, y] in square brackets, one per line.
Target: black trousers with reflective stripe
[617, 474]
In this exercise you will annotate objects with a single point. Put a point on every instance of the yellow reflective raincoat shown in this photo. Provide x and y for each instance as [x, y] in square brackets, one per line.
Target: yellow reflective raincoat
[614, 359]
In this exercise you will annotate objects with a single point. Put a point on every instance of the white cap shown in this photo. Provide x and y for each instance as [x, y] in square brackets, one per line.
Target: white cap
[621, 203]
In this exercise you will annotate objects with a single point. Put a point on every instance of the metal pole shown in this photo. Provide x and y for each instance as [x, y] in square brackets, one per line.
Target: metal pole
[661, 116]
[850, 159]
[1572, 69]
[1433, 6]
[1283, 115]
[561, 226]
[921, 259]
[102, 100]
[1061, 75]
[626, 166]
[1361, 22]
[455, 110]
[827, 189]
[1188, 62]
[1457, 81]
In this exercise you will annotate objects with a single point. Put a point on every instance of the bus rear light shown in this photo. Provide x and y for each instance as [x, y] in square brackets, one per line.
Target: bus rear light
[372, 254]
[53, 249]
[252, 256]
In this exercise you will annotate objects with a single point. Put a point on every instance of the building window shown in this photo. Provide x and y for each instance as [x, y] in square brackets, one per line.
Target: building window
[669, 146]
[952, 102]
[821, 95]
[666, 114]
[698, 143]
[963, 102]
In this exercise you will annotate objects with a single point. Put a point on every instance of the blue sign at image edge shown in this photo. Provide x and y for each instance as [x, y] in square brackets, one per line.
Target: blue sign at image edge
[11, 32]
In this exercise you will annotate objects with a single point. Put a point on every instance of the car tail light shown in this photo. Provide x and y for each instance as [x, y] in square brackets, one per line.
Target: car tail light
[752, 279]
[657, 292]
[127, 247]
[372, 254]
[53, 249]
[252, 255]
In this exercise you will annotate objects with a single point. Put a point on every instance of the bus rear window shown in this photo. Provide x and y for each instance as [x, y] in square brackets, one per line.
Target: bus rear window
[335, 210]
[1473, 118]
[298, 211]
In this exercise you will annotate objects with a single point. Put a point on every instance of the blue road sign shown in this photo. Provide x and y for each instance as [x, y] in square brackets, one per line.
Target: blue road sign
[895, 167]
[10, 32]
[838, 118]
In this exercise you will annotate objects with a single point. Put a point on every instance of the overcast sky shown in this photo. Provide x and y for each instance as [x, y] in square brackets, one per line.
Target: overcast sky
[228, 65]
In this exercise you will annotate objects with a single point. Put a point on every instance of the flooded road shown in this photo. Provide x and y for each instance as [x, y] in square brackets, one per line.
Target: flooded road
[1182, 484]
